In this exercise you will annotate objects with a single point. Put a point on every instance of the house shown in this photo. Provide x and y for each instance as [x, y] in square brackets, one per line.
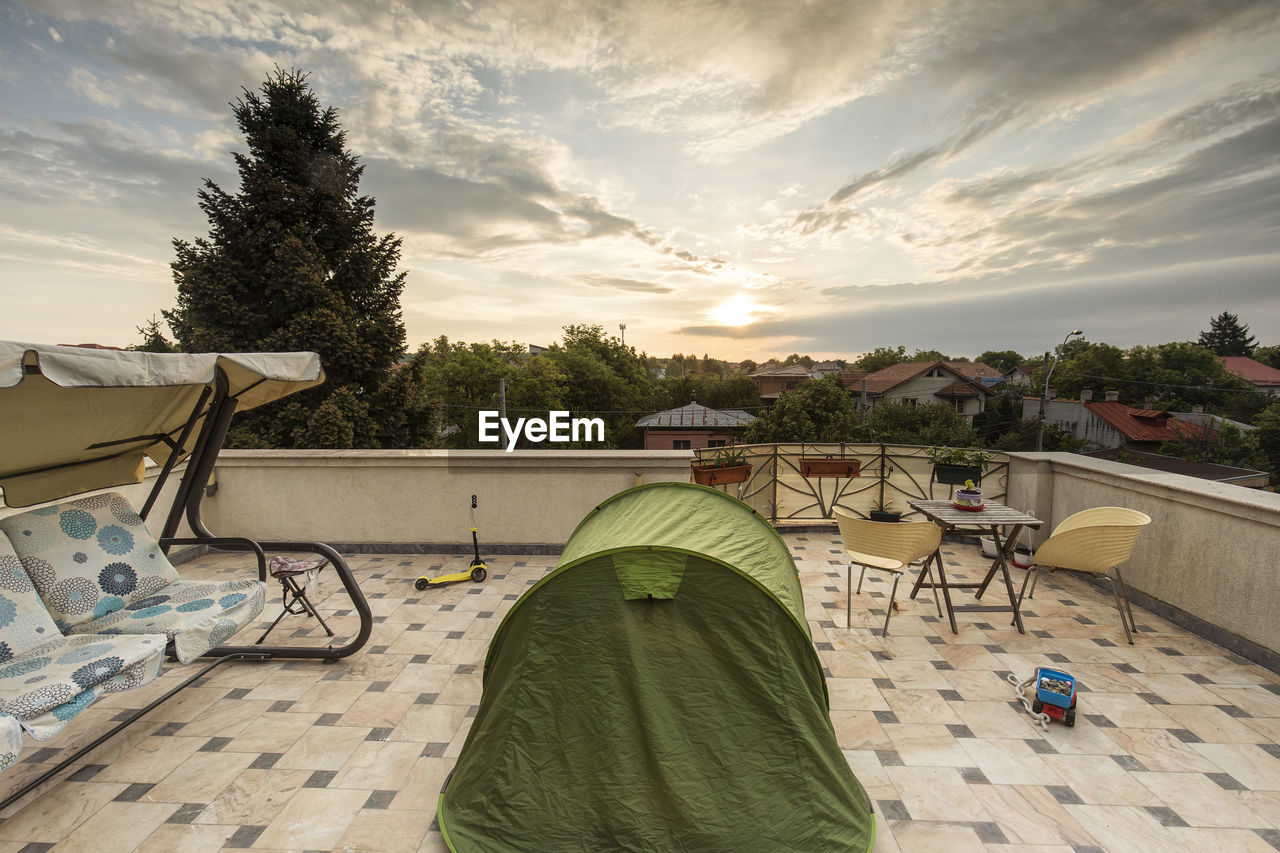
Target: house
[1112, 423]
[1246, 477]
[824, 368]
[1261, 376]
[774, 380]
[1021, 375]
[976, 371]
[691, 427]
[916, 383]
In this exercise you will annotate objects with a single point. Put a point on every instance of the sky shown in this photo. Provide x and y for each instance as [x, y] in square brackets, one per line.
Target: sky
[739, 179]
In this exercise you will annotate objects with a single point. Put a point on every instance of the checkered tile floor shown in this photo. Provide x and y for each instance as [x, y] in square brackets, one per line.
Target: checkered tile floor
[1177, 744]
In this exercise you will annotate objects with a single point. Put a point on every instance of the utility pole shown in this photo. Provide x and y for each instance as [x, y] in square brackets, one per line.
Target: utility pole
[622, 327]
[1043, 395]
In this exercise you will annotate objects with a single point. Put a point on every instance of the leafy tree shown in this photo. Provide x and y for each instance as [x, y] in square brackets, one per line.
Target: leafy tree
[818, 410]
[602, 378]
[1097, 366]
[1002, 360]
[932, 355]
[880, 358]
[291, 263]
[1226, 336]
[1022, 436]
[1228, 446]
[1267, 355]
[931, 424]
[733, 392]
[795, 358]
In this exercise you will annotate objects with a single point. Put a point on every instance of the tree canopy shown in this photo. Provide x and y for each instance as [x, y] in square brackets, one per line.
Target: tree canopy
[1226, 336]
[291, 262]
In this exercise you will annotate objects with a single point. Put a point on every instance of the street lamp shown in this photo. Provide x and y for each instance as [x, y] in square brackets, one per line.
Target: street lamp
[1044, 394]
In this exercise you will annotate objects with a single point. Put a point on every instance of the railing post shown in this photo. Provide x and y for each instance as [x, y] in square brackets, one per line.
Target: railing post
[773, 503]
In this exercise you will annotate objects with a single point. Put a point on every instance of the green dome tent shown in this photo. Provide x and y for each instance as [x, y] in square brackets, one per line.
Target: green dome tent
[657, 691]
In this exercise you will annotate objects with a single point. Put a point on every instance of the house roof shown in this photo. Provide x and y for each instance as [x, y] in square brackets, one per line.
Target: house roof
[894, 375]
[1145, 424]
[1253, 372]
[787, 370]
[957, 389]
[696, 416]
[1027, 369]
[975, 370]
[1173, 465]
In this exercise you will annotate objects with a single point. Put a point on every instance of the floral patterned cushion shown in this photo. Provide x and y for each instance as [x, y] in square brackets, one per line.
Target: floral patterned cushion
[10, 741]
[24, 623]
[48, 685]
[195, 615]
[88, 557]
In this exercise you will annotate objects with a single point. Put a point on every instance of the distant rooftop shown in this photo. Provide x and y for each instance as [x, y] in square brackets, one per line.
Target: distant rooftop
[696, 415]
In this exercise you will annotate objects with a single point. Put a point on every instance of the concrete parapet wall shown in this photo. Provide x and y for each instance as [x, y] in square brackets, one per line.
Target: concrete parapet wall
[1212, 549]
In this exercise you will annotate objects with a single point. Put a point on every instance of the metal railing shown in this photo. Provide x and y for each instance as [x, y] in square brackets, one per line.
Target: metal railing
[890, 474]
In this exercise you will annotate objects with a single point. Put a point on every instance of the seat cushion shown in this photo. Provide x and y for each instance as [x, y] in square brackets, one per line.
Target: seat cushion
[24, 622]
[48, 685]
[88, 557]
[10, 741]
[194, 615]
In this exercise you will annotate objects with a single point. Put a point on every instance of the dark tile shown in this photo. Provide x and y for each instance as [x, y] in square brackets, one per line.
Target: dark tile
[1152, 699]
[929, 617]
[434, 750]
[511, 596]
[134, 792]
[883, 683]
[485, 614]
[465, 669]
[942, 665]
[1085, 620]
[959, 730]
[44, 755]
[1104, 642]
[84, 774]
[336, 675]
[1040, 746]
[266, 760]
[1128, 762]
[416, 626]
[825, 647]
[126, 714]
[420, 659]
[380, 800]
[376, 595]
[974, 776]
[1057, 658]
[280, 706]
[379, 733]
[1064, 794]
[454, 635]
[448, 607]
[994, 649]
[1200, 679]
[1087, 848]
[1233, 711]
[215, 744]
[1226, 781]
[889, 758]
[830, 605]
[1044, 635]
[1166, 816]
[36, 847]
[1069, 602]
[1272, 748]
[168, 729]
[950, 695]
[989, 832]
[330, 719]
[376, 650]
[886, 717]
[426, 698]
[879, 655]
[1173, 653]
[1125, 667]
[378, 687]
[1100, 721]
[1185, 736]
[243, 838]
[472, 711]
[238, 693]
[186, 813]
[1271, 836]
[320, 779]
[984, 626]
[893, 810]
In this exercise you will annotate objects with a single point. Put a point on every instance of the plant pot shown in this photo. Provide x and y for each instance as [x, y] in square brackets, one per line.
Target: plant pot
[967, 498]
[879, 515]
[720, 476]
[828, 466]
[956, 475]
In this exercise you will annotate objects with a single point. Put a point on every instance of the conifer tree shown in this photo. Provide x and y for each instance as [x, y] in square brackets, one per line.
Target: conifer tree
[1226, 336]
[291, 262]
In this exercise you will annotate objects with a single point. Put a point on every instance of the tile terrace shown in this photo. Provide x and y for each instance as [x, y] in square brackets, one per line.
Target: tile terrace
[1177, 745]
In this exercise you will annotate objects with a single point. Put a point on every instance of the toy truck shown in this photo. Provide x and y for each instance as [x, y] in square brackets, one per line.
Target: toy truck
[1055, 695]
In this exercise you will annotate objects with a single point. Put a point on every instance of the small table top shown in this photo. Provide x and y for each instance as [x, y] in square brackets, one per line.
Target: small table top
[993, 515]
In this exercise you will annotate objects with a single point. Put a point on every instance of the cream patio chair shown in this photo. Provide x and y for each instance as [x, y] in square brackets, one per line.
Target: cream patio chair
[885, 546]
[1092, 541]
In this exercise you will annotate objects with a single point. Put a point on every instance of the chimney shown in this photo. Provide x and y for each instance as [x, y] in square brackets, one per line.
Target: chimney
[1053, 392]
[1113, 396]
[1086, 395]
[1198, 409]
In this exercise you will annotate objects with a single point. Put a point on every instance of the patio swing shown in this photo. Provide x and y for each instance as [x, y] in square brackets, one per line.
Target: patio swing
[76, 420]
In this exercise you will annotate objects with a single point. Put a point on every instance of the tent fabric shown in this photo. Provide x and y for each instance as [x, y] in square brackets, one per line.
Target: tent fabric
[76, 419]
[696, 722]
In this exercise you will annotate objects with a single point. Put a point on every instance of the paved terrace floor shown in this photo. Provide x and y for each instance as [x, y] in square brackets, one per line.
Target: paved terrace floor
[1177, 745]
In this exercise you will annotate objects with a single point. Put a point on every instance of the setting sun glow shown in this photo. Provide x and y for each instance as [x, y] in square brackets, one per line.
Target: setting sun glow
[737, 310]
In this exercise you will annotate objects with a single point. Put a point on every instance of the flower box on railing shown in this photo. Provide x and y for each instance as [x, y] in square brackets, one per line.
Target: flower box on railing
[719, 476]
[829, 466]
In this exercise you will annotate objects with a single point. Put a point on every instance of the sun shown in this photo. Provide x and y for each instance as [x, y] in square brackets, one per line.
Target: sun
[737, 310]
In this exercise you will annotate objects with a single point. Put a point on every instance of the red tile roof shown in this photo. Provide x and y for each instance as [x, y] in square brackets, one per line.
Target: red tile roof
[1253, 372]
[1145, 424]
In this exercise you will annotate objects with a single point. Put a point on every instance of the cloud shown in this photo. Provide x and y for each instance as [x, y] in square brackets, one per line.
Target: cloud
[625, 284]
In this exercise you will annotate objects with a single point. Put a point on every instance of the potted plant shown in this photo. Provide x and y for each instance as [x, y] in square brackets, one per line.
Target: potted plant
[882, 510]
[968, 498]
[829, 466]
[726, 465]
[954, 466]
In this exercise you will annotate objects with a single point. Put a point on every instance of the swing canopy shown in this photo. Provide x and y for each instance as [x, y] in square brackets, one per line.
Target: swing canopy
[76, 419]
[657, 690]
